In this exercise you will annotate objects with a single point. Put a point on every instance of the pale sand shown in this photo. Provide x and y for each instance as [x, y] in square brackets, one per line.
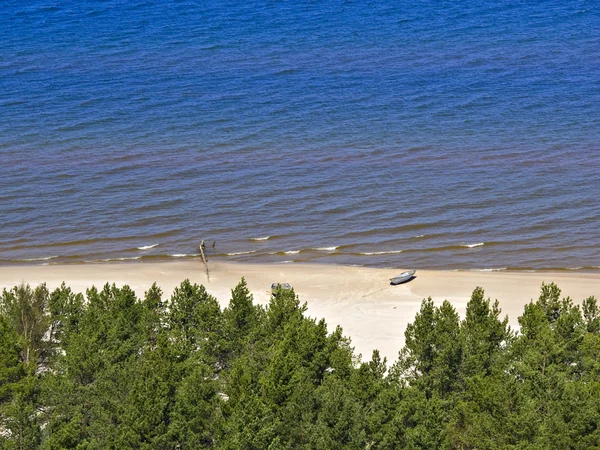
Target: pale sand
[371, 312]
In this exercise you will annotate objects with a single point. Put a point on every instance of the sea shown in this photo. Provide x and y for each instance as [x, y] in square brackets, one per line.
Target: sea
[436, 135]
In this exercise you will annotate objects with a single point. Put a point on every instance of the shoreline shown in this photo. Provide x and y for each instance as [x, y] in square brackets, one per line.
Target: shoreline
[345, 255]
[372, 313]
[195, 259]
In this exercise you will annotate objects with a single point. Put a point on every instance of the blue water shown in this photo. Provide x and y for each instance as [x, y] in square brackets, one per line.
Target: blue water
[374, 133]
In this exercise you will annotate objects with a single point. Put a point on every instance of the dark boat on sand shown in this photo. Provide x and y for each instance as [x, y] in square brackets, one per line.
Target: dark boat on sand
[280, 286]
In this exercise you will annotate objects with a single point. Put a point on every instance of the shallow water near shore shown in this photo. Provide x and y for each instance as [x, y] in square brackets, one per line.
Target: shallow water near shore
[415, 135]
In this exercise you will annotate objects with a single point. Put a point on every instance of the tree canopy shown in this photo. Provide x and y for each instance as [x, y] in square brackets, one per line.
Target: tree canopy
[113, 371]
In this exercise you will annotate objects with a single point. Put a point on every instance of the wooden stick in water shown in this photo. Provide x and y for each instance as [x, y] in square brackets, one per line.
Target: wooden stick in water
[204, 259]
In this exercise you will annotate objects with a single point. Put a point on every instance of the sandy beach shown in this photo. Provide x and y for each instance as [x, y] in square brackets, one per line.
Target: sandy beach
[372, 312]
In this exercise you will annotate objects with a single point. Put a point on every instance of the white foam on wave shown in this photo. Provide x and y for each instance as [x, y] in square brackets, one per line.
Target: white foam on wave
[129, 258]
[574, 268]
[286, 262]
[388, 252]
[240, 253]
[45, 258]
[325, 249]
[266, 238]
[489, 270]
[147, 247]
[184, 255]
[420, 236]
[473, 245]
[292, 252]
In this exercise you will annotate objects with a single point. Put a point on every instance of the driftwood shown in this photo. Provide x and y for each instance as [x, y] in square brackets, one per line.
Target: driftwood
[204, 259]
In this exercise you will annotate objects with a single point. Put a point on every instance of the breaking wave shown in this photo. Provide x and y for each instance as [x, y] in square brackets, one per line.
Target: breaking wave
[44, 258]
[473, 245]
[387, 252]
[147, 247]
[129, 258]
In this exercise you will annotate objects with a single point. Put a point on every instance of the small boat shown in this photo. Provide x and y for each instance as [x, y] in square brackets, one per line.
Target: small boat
[403, 277]
[280, 286]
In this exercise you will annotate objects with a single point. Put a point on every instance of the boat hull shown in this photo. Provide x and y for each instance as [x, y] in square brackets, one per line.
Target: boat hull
[403, 277]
